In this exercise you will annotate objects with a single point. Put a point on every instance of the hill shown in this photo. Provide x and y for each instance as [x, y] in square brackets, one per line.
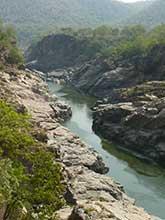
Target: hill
[150, 16]
[37, 16]
[64, 13]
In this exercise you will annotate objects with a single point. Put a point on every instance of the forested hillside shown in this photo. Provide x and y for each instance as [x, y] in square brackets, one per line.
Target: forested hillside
[69, 47]
[151, 15]
[34, 17]
[63, 12]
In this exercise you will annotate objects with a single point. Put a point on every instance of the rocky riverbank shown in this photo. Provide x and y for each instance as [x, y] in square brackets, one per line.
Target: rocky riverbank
[138, 122]
[139, 80]
[91, 194]
[98, 77]
[101, 77]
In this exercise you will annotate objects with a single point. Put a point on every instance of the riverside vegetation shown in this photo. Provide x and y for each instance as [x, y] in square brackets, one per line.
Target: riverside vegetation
[31, 182]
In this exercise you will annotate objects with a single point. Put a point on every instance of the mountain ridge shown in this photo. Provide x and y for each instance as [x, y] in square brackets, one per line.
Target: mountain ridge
[106, 11]
[31, 17]
[150, 16]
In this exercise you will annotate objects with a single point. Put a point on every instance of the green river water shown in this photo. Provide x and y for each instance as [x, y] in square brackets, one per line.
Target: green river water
[142, 181]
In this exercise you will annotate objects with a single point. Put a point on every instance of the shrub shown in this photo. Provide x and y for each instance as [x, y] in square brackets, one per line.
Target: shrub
[31, 180]
[15, 56]
[8, 44]
[45, 185]
[14, 132]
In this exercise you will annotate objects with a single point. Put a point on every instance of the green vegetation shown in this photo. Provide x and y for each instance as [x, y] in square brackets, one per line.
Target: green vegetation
[34, 17]
[140, 43]
[150, 16]
[8, 48]
[123, 42]
[31, 182]
[14, 132]
[133, 41]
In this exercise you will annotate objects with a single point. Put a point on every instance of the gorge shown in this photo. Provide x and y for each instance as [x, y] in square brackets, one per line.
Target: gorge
[135, 82]
[142, 181]
[131, 89]
[88, 193]
[82, 110]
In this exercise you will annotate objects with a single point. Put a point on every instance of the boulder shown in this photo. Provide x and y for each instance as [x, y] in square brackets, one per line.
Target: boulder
[61, 110]
[78, 214]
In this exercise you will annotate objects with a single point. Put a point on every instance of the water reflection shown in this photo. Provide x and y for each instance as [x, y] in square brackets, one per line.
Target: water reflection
[141, 166]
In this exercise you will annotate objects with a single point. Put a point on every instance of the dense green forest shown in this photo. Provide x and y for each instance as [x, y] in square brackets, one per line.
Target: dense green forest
[133, 41]
[32, 18]
[150, 16]
[118, 43]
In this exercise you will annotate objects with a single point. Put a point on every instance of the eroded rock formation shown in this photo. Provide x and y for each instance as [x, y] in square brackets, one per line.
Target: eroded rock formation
[92, 194]
[137, 125]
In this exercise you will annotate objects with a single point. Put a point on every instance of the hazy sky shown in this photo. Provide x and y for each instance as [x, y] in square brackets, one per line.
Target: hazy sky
[131, 0]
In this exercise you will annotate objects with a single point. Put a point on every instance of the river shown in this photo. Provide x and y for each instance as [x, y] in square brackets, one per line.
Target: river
[142, 181]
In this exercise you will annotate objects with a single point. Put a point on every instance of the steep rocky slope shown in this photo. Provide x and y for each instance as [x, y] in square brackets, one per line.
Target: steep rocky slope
[91, 194]
[58, 51]
[104, 78]
[95, 76]
[139, 80]
[137, 126]
[101, 77]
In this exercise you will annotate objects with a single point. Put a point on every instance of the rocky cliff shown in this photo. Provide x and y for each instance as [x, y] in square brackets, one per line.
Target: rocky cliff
[138, 122]
[139, 83]
[101, 77]
[58, 51]
[98, 76]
